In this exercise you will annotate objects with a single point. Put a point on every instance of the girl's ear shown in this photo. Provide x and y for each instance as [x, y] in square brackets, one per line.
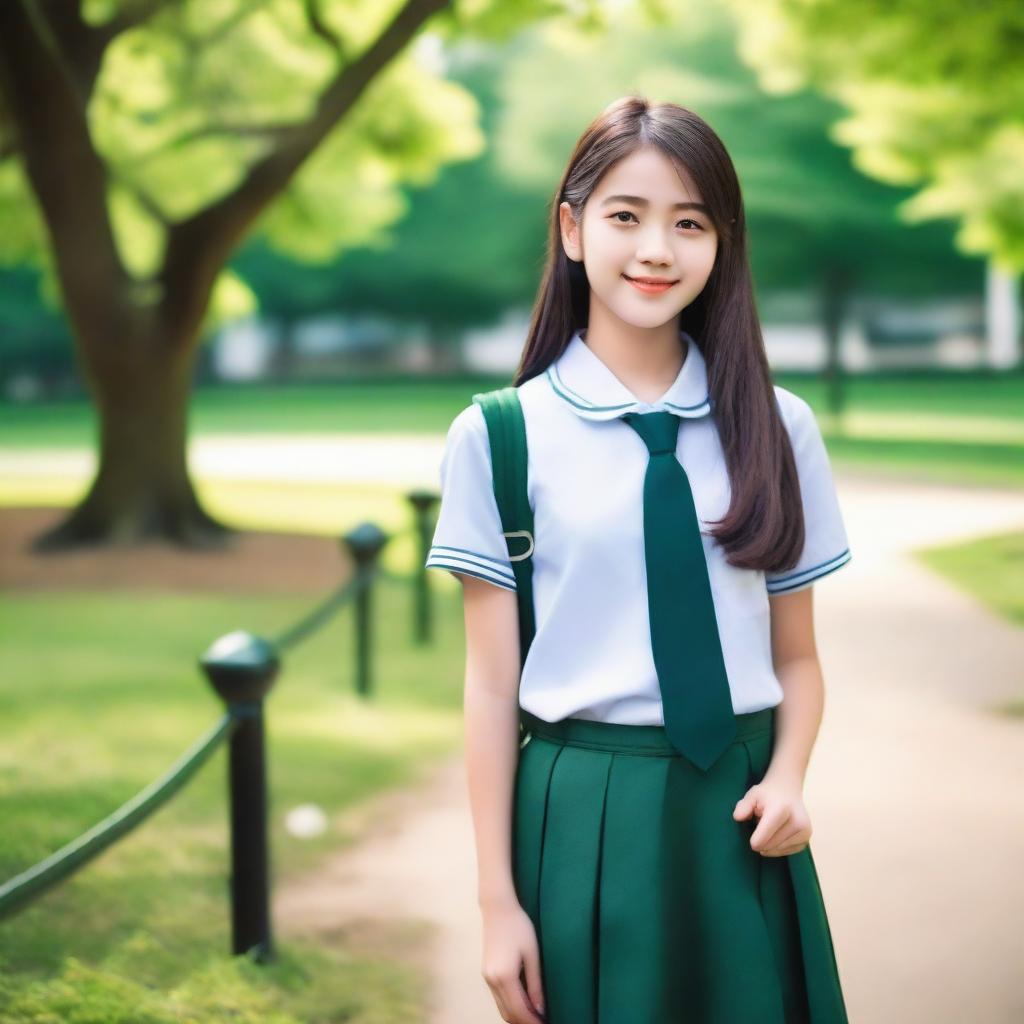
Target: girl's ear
[570, 232]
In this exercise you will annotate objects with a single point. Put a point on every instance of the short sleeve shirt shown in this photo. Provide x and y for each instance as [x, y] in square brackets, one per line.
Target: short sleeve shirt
[591, 654]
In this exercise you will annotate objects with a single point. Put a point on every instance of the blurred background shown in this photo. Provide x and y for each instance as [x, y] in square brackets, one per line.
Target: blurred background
[255, 255]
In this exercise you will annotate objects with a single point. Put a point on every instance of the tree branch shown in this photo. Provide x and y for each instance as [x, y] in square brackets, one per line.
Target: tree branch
[64, 170]
[143, 198]
[320, 28]
[197, 248]
[81, 45]
[268, 130]
[73, 42]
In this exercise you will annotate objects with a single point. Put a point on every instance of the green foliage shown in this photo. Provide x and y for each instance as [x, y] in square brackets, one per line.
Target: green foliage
[404, 209]
[934, 93]
[498, 20]
[22, 237]
[307, 984]
[187, 100]
[404, 129]
[23, 240]
[809, 211]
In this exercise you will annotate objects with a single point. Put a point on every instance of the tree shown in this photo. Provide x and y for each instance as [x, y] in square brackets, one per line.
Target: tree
[934, 93]
[469, 249]
[145, 138]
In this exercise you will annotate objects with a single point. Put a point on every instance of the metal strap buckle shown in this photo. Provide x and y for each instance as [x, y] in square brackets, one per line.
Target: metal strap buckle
[520, 533]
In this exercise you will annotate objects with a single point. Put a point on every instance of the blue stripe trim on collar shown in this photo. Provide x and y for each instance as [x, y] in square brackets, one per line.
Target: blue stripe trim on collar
[702, 406]
[575, 399]
[563, 392]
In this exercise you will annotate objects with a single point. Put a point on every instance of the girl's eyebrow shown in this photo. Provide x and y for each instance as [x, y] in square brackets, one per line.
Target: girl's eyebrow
[640, 201]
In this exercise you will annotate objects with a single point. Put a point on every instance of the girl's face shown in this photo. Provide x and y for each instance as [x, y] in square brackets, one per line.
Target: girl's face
[642, 221]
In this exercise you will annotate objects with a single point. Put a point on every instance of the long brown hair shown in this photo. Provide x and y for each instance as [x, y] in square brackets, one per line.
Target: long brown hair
[764, 525]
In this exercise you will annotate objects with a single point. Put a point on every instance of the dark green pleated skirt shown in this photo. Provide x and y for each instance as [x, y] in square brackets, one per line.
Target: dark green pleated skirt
[649, 905]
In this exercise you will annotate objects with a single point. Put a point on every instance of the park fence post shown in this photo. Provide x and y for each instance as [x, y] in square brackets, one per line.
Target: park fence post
[423, 503]
[242, 667]
[364, 543]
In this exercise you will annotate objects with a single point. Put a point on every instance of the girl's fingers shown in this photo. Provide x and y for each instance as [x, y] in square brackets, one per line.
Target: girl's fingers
[767, 827]
[498, 990]
[520, 1011]
[534, 989]
[790, 841]
[512, 1001]
[785, 851]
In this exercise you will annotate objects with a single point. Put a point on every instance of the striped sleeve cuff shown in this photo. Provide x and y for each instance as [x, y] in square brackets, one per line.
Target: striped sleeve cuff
[805, 577]
[442, 556]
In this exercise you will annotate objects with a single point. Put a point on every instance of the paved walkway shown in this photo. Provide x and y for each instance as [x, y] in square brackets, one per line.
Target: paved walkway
[380, 458]
[914, 790]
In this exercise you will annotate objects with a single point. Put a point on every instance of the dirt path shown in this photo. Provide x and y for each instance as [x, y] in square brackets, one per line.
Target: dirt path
[415, 864]
[256, 560]
[914, 790]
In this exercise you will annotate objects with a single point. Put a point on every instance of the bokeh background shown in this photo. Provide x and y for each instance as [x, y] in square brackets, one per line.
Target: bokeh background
[255, 256]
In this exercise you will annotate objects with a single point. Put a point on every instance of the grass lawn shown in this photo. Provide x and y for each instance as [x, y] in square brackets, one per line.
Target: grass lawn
[992, 567]
[966, 428]
[99, 693]
[991, 570]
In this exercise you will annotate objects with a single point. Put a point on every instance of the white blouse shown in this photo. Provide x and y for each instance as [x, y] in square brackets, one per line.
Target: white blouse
[591, 654]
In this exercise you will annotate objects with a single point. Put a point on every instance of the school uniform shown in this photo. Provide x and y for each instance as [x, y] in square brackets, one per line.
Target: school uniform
[649, 905]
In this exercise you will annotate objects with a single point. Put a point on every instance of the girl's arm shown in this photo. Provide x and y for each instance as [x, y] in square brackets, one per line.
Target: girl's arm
[795, 659]
[785, 826]
[491, 715]
[511, 957]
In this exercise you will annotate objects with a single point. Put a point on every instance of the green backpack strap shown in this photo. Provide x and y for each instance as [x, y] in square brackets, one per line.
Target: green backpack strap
[506, 431]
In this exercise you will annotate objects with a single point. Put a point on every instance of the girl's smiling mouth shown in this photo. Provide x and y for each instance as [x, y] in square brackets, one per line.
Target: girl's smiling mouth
[651, 285]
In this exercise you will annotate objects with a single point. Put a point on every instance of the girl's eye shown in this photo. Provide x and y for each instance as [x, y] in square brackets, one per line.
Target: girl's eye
[629, 213]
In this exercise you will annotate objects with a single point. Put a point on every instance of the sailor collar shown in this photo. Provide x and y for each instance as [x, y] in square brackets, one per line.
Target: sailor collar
[582, 380]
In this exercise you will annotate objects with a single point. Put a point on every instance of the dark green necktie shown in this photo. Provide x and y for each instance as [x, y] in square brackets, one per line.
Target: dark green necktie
[696, 700]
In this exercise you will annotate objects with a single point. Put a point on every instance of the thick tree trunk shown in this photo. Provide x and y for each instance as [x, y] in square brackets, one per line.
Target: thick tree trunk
[142, 489]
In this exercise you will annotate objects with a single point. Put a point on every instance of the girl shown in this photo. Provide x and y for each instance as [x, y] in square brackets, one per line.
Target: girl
[643, 847]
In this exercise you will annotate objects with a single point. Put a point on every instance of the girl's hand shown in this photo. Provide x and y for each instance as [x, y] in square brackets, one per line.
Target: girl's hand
[510, 950]
[785, 826]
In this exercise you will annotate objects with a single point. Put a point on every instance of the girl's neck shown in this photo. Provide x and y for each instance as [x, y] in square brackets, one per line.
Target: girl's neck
[646, 360]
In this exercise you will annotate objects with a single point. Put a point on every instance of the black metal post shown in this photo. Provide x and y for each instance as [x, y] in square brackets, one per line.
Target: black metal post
[364, 543]
[242, 668]
[423, 503]
[250, 861]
